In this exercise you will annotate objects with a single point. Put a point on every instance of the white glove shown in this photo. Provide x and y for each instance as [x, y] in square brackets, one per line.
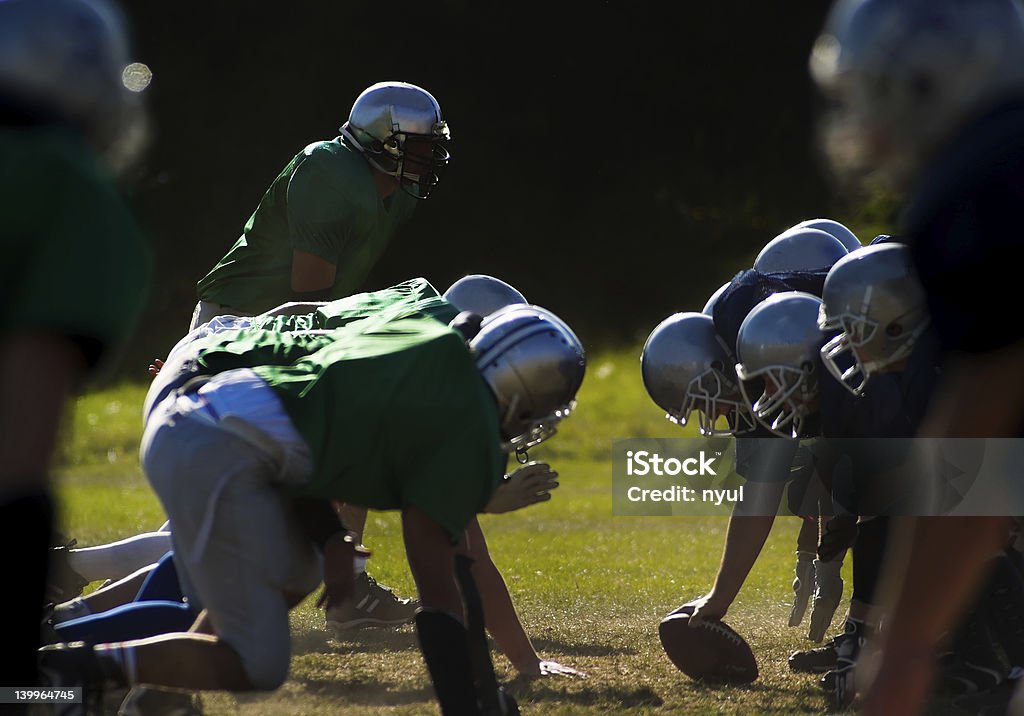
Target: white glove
[828, 592]
[803, 587]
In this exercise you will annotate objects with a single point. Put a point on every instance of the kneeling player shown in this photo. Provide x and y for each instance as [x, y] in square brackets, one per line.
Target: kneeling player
[387, 411]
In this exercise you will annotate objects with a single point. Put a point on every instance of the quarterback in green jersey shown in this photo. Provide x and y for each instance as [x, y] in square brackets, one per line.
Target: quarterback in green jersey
[76, 268]
[386, 400]
[330, 213]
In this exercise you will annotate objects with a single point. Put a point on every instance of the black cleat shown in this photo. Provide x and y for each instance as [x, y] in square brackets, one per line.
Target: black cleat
[77, 664]
[817, 660]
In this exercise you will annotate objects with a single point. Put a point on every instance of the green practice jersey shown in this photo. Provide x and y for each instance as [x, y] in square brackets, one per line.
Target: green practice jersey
[391, 403]
[325, 202]
[75, 262]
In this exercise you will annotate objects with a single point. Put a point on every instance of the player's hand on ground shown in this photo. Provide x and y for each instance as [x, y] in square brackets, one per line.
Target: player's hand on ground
[155, 366]
[553, 668]
[339, 569]
[540, 669]
[528, 485]
[707, 608]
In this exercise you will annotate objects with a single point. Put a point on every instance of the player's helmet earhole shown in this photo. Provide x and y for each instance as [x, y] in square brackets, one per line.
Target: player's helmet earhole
[894, 330]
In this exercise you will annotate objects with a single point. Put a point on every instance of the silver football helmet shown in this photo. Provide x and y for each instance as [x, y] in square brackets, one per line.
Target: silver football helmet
[800, 250]
[534, 365]
[779, 342]
[482, 294]
[906, 74]
[65, 60]
[874, 300]
[686, 366]
[830, 226]
[709, 307]
[383, 120]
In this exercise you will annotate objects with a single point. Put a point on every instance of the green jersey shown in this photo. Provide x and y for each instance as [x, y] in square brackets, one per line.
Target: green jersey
[391, 403]
[325, 202]
[76, 263]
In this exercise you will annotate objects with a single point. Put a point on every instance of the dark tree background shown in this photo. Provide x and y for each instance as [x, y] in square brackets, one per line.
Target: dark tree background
[616, 161]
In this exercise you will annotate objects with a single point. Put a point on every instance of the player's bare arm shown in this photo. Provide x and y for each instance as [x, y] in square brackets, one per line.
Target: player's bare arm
[311, 275]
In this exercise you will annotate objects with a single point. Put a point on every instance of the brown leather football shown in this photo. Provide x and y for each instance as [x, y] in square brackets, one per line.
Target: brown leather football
[711, 652]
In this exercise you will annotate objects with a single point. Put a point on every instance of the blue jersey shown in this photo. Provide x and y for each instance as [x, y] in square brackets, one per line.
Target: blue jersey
[964, 230]
[748, 288]
[757, 458]
[867, 438]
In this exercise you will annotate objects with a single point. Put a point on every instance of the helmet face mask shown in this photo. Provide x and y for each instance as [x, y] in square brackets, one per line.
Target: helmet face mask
[787, 400]
[712, 394]
[534, 432]
[778, 346]
[399, 129]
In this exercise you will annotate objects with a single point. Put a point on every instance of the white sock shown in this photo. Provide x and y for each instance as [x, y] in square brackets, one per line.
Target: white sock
[119, 559]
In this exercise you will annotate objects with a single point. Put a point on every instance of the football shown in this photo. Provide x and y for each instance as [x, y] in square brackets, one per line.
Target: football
[711, 652]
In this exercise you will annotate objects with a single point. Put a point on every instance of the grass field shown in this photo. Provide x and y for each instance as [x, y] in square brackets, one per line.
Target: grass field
[590, 587]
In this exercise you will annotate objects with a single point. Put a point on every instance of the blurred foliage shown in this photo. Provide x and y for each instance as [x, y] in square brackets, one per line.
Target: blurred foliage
[616, 161]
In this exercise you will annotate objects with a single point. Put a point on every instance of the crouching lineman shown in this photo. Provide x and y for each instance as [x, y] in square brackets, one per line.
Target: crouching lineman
[884, 353]
[688, 365]
[879, 311]
[249, 438]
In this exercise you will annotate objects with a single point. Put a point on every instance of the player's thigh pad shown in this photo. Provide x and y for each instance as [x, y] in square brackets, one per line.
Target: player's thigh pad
[236, 545]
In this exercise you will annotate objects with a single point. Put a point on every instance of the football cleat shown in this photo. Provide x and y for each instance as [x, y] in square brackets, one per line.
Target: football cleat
[77, 664]
[817, 660]
[63, 583]
[825, 658]
[371, 605]
[976, 661]
[839, 682]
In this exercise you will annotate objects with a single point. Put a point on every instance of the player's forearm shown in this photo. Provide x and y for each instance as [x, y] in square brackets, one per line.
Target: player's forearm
[501, 617]
[743, 543]
[499, 611]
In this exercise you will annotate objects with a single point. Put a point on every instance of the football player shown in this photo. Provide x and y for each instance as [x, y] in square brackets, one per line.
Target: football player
[251, 431]
[78, 267]
[929, 97]
[688, 364]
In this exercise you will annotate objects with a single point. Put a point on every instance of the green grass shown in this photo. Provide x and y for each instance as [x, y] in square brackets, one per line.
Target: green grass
[590, 587]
